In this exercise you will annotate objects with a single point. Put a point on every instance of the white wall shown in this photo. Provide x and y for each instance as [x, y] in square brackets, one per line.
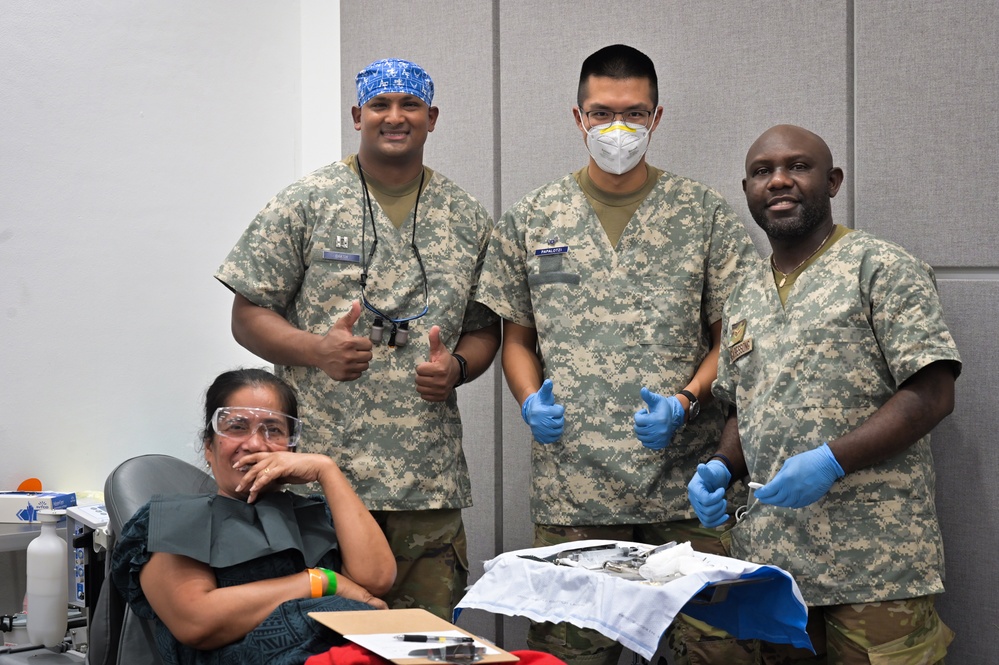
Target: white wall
[138, 141]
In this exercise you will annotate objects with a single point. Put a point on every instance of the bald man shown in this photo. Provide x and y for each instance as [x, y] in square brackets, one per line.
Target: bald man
[836, 364]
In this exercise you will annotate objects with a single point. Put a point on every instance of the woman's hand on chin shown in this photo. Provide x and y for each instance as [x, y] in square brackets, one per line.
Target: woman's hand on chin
[265, 471]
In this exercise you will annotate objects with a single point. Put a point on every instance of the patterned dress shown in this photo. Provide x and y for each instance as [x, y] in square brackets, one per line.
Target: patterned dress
[280, 535]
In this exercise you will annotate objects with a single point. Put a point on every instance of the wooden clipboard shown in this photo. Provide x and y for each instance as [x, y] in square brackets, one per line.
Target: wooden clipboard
[370, 622]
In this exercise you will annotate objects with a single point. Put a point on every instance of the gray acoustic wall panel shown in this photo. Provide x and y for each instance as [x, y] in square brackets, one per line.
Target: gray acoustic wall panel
[927, 154]
[964, 455]
[730, 70]
[905, 94]
[927, 112]
[726, 74]
[454, 43]
[517, 527]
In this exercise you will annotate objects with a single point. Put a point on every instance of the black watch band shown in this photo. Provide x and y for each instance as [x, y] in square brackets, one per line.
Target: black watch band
[695, 406]
[462, 367]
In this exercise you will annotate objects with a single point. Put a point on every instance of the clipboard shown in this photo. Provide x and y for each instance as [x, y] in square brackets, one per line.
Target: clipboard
[371, 622]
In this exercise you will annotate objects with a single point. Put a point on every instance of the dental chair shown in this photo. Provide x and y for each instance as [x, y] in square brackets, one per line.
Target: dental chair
[117, 636]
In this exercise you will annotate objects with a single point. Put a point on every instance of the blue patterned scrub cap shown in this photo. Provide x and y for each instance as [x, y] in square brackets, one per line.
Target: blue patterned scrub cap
[394, 75]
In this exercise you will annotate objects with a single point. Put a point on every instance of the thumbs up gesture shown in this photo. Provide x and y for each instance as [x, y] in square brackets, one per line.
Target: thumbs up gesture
[343, 355]
[435, 378]
[546, 418]
[656, 424]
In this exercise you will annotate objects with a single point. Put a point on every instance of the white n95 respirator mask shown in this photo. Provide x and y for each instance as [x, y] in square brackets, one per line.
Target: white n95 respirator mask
[618, 147]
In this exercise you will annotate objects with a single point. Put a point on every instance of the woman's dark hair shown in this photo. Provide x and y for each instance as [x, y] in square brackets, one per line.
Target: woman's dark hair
[226, 383]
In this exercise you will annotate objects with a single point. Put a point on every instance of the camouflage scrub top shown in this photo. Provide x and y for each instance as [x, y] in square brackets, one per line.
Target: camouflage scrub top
[301, 256]
[857, 323]
[610, 321]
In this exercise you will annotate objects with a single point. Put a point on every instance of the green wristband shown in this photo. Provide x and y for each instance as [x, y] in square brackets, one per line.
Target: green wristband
[331, 587]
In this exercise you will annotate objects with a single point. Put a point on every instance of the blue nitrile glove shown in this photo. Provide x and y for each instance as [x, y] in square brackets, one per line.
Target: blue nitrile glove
[656, 425]
[545, 417]
[802, 480]
[707, 492]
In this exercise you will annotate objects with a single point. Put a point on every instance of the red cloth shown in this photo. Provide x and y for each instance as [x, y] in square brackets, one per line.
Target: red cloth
[537, 658]
[349, 654]
[352, 654]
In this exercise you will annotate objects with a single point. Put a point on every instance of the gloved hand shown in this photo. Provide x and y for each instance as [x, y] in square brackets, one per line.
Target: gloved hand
[656, 425]
[543, 415]
[802, 480]
[707, 492]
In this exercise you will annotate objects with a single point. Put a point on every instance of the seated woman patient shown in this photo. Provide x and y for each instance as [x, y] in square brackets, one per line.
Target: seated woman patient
[230, 577]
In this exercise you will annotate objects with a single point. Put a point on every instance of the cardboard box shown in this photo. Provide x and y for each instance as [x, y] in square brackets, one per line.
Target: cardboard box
[23, 507]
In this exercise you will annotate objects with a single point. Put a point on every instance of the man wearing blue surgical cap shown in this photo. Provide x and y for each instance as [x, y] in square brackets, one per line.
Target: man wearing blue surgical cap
[357, 282]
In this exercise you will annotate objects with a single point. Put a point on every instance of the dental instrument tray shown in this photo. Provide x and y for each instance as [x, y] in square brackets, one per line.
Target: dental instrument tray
[614, 558]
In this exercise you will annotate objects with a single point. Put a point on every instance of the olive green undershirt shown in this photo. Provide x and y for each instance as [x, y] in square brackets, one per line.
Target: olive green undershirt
[838, 232]
[615, 210]
[396, 202]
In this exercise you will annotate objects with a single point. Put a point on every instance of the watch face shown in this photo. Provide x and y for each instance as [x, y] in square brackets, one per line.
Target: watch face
[695, 406]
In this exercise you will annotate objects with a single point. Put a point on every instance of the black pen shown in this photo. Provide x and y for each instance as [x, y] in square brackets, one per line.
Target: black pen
[434, 638]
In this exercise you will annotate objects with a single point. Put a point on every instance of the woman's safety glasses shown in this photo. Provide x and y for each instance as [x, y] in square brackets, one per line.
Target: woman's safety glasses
[240, 423]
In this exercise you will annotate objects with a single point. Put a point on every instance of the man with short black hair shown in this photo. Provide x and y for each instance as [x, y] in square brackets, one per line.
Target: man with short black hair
[610, 282]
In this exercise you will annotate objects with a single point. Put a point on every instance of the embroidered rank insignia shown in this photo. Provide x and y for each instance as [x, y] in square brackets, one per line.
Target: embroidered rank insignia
[737, 333]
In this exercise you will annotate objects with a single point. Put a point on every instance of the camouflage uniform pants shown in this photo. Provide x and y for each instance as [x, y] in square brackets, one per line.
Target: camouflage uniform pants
[581, 646]
[431, 554]
[898, 632]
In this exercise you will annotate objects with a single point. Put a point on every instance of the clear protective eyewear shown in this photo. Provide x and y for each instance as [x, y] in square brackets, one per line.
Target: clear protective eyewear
[600, 117]
[241, 422]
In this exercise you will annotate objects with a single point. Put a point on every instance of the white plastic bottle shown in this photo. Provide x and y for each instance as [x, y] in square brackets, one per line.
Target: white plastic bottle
[48, 584]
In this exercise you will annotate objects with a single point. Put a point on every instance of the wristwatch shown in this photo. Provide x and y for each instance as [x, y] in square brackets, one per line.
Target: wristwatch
[695, 406]
[462, 368]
